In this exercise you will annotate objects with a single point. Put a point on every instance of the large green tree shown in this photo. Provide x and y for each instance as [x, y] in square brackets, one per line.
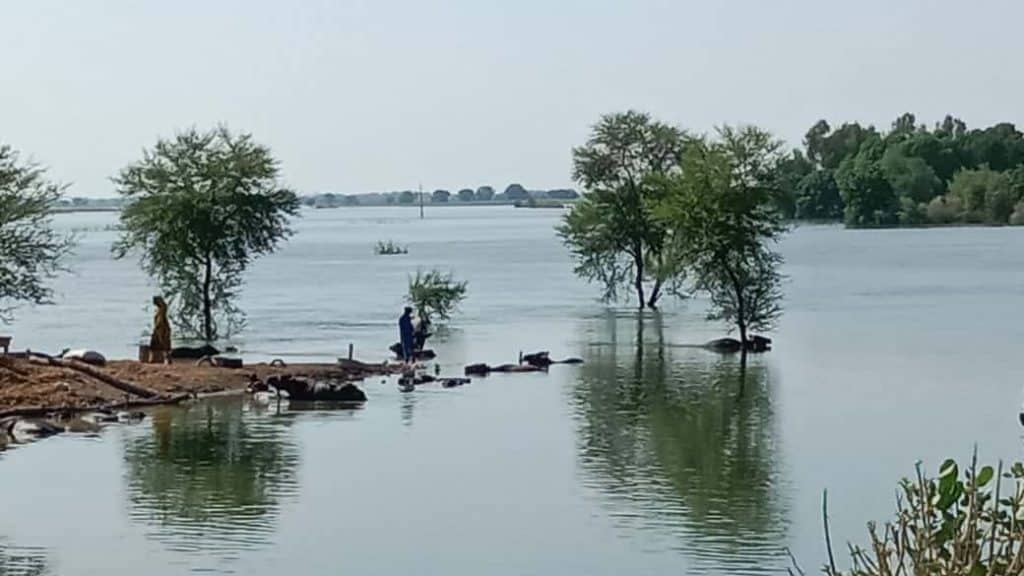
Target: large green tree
[613, 235]
[31, 251]
[722, 203]
[200, 207]
[867, 194]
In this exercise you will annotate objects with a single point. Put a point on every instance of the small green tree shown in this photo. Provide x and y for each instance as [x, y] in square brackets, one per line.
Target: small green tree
[722, 207]
[612, 233]
[435, 294]
[31, 251]
[200, 207]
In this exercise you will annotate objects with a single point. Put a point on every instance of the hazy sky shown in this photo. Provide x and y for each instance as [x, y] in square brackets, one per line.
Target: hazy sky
[361, 96]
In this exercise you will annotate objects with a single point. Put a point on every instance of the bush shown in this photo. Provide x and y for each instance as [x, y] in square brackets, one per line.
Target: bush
[944, 209]
[435, 294]
[911, 213]
[949, 525]
[1017, 218]
[389, 248]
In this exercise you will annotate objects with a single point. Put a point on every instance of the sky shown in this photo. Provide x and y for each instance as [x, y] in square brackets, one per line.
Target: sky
[380, 95]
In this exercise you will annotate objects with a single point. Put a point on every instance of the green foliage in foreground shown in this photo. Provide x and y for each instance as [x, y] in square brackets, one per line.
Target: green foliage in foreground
[31, 251]
[969, 524]
[201, 207]
[435, 294]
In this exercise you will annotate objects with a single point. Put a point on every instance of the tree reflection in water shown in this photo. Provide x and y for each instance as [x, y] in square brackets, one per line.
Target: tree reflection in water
[211, 478]
[682, 441]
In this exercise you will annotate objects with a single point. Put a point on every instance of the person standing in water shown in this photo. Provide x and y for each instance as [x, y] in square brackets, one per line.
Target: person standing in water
[407, 333]
[160, 341]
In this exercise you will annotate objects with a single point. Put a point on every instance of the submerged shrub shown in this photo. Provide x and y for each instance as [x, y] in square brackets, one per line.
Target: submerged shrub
[389, 248]
[435, 294]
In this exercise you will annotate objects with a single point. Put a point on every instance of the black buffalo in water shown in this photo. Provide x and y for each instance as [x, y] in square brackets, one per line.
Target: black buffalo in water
[302, 390]
[731, 345]
[190, 353]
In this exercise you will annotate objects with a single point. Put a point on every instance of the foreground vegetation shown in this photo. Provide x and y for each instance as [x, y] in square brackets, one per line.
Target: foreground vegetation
[956, 525]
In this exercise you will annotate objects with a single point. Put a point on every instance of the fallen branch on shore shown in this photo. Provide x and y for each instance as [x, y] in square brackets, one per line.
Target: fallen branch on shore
[88, 370]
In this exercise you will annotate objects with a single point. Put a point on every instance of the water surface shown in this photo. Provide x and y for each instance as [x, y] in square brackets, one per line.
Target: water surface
[651, 458]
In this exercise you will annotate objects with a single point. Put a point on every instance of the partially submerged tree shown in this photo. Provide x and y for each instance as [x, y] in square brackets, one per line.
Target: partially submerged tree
[435, 294]
[613, 235]
[722, 207]
[31, 251]
[200, 207]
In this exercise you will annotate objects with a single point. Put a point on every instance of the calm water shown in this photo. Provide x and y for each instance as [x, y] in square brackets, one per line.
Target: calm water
[652, 458]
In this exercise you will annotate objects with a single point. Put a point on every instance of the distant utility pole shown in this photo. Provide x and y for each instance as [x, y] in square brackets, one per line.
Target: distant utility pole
[421, 201]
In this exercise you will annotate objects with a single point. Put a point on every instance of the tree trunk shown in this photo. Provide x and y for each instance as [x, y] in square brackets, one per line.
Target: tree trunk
[652, 302]
[207, 304]
[638, 259]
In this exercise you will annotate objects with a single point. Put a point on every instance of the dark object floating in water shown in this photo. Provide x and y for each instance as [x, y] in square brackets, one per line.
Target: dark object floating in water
[428, 354]
[478, 370]
[731, 345]
[304, 391]
[543, 360]
[454, 382]
[188, 353]
[1021, 416]
[484, 369]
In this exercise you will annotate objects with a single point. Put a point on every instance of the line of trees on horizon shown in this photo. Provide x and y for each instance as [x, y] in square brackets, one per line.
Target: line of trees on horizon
[514, 192]
[910, 175]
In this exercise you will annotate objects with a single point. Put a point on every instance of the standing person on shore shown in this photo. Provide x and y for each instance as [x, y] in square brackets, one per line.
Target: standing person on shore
[407, 334]
[160, 341]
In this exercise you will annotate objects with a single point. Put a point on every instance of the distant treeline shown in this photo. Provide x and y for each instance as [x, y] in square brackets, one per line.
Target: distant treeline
[513, 193]
[908, 176]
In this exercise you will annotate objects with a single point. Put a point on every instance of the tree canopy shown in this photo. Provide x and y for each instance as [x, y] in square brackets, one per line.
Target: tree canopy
[201, 206]
[910, 175]
[612, 233]
[722, 205]
[31, 251]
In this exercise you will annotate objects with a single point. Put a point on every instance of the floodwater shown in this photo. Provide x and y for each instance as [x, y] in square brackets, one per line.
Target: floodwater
[651, 458]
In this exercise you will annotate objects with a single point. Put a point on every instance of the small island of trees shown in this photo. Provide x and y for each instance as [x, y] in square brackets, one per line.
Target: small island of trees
[910, 175]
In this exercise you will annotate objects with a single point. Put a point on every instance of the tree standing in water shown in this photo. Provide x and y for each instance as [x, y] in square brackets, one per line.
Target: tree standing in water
[31, 251]
[723, 203]
[612, 232]
[199, 208]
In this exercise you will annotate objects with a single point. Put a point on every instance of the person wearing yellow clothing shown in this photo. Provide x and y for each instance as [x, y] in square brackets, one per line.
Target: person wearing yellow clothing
[160, 341]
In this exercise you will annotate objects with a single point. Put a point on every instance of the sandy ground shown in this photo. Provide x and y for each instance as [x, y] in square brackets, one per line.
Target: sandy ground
[26, 384]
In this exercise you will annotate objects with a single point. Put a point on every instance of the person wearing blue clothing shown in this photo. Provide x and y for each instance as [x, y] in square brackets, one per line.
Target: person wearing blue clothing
[408, 335]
